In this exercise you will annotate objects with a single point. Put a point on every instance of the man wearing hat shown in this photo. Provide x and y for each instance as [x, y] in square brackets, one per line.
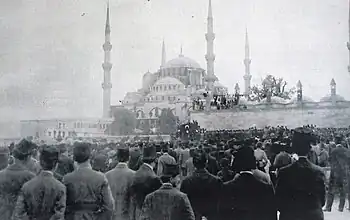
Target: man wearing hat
[202, 188]
[300, 188]
[247, 197]
[167, 202]
[51, 204]
[13, 177]
[164, 159]
[145, 181]
[88, 193]
[120, 179]
[65, 163]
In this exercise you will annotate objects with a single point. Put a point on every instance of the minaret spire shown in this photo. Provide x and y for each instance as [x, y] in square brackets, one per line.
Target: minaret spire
[163, 55]
[348, 43]
[107, 66]
[247, 61]
[181, 54]
[210, 56]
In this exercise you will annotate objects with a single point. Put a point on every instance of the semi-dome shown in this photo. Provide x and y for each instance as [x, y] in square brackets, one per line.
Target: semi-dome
[182, 61]
[168, 81]
[329, 98]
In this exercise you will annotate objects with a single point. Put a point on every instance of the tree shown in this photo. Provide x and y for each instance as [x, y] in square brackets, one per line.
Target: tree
[278, 89]
[124, 122]
[167, 121]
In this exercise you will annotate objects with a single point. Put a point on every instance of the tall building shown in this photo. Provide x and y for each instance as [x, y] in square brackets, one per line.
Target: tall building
[107, 66]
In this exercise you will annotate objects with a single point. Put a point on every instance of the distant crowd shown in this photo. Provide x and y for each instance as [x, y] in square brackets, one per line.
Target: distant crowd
[227, 174]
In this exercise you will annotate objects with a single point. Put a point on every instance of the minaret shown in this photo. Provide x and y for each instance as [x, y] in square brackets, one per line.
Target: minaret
[348, 43]
[210, 56]
[247, 61]
[299, 92]
[163, 56]
[107, 66]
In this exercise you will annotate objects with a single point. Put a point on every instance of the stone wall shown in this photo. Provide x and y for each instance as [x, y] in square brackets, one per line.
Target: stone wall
[293, 117]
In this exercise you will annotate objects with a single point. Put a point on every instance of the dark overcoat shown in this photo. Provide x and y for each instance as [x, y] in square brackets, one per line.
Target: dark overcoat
[88, 195]
[41, 198]
[247, 197]
[167, 203]
[144, 183]
[300, 191]
[203, 190]
[11, 181]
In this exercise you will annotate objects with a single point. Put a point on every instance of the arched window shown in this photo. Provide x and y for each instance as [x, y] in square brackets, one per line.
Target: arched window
[162, 98]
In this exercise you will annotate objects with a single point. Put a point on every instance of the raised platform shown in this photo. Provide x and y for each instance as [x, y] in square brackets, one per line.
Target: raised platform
[291, 116]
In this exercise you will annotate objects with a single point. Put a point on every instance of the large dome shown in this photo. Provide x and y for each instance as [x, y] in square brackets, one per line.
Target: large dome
[182, 61]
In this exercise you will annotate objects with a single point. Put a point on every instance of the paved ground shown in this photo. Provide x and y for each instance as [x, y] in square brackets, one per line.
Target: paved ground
[335, 215]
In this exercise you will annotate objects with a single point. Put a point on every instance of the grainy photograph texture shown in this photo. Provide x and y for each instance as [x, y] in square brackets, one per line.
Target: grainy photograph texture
[174, 110]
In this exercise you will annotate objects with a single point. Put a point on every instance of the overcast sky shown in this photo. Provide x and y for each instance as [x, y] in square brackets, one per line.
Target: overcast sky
[51, 51]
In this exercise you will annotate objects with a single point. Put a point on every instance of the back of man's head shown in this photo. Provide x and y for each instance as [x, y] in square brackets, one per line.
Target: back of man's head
[48, 157]
[81, 152]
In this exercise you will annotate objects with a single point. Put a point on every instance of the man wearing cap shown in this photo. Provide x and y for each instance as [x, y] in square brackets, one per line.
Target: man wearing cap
[120, 179]
[88, 193]
[164, 159]
[167, 202]
[247, 197]
[13, 177]
[202, 188]
[51, 203]
[145, 181]
[300, 188]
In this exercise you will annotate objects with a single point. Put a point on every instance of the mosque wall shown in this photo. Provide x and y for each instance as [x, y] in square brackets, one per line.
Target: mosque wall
[240, 119]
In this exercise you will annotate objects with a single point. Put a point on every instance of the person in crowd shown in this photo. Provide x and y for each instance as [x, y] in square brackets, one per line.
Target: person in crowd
[189, 164]
[261, 157]
[13, 177]
[120, 179]
[225, 174]
[32, 164]
[145, 181]
[212, 164]
[338, 176]
[135, 158]
[100, 162]
[4, 157]
[281, 160]
[323, 156]
[183, 157]
[51, 204]
[247, 197]
[202, 187]
[88, 193]
[300, 188]
[65, 163]
[167, 202]
[164, 159]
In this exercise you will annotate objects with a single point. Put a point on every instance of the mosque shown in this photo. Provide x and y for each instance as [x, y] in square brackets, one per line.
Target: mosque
[174, 86]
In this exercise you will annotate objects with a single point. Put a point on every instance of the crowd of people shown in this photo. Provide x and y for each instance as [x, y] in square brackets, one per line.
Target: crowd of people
[219, 102]
[242, 174]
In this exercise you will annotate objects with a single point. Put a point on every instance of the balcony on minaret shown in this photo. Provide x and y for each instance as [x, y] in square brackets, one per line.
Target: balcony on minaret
[210, 78]
[247, 62]
[107, 66]
[107, 46]
[209, 36]
[247, 77]
[210, 57]
[106, 85]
